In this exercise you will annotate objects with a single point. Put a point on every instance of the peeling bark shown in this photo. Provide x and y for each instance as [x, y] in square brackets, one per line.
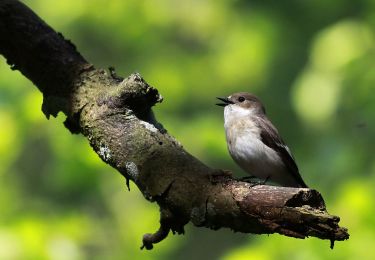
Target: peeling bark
[115, 115]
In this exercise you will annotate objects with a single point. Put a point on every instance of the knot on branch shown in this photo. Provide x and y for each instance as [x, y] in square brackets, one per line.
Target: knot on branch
[133, 93]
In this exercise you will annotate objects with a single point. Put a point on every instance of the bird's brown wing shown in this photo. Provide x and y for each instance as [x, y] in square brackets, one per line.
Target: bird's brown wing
[272, 139]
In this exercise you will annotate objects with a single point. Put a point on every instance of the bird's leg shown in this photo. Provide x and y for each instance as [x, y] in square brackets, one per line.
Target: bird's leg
[265, 180]
[261, 182]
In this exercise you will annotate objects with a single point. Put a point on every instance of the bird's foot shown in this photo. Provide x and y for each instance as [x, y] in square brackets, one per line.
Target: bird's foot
[262, 182]
[265, 180]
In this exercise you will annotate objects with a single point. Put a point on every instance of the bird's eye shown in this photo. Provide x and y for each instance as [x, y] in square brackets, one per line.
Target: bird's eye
[241, 99]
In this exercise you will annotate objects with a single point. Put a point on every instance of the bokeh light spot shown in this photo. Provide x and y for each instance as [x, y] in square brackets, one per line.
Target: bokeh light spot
[339, 44]
[316, 96]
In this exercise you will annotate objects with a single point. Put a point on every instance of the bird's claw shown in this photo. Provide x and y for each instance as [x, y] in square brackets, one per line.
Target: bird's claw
[263, 182]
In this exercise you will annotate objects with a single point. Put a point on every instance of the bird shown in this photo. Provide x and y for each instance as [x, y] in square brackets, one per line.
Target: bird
[254, 142]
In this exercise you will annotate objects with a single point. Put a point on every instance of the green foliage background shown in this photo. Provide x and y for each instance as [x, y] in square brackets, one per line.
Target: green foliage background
[311, 62]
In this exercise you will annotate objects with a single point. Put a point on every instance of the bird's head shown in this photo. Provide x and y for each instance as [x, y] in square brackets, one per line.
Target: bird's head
[242, 101]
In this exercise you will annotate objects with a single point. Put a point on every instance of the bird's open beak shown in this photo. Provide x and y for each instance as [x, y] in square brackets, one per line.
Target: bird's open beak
[225, 100]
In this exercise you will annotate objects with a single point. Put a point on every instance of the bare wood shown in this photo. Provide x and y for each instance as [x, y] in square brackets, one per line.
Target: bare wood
[116, 117]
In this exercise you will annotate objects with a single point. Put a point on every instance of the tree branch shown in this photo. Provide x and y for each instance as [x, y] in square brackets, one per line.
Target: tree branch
[116, 117]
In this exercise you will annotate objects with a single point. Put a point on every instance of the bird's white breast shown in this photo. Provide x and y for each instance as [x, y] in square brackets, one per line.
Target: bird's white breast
[245, 144]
